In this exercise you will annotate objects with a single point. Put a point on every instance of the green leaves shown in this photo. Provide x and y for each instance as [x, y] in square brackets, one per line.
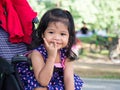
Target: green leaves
[99, 14]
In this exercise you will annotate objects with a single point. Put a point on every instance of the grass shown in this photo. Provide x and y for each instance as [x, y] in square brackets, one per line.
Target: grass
[97, 71]
[97, 74]
[94, 55]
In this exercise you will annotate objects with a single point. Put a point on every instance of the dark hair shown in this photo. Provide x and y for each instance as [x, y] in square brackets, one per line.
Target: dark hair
[56, 15]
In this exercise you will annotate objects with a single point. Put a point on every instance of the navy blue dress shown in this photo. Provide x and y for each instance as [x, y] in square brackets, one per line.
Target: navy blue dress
[56, 83]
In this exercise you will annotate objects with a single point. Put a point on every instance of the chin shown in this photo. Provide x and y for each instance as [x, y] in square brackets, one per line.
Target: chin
[59, 47]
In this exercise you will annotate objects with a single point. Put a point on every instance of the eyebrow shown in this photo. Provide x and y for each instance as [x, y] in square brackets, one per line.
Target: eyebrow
[50, 29]
[65, 31]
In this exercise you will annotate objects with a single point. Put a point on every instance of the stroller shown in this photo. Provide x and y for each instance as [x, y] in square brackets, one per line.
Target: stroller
[9, 78]
[11, 54]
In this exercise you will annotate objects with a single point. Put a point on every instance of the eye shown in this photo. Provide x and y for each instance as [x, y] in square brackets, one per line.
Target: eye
[63, 34]
[51, 32]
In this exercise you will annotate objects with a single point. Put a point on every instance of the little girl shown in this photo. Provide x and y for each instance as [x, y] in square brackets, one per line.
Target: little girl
[52, 55]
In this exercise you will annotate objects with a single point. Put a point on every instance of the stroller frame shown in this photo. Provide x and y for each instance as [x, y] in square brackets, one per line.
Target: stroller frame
[9, 78]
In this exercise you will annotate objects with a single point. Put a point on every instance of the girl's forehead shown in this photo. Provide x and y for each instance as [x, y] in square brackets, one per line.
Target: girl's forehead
[57, 24]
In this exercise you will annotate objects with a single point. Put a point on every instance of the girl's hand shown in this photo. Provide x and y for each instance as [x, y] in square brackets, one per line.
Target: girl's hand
[51, 49]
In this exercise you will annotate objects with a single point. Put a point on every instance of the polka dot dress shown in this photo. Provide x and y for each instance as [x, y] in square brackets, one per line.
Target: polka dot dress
[56, 83]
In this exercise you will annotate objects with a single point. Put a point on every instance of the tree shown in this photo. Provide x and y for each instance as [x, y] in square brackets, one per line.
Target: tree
[99, 14]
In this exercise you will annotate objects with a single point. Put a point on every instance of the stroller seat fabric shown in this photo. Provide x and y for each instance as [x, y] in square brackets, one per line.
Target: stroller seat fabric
[7, 49]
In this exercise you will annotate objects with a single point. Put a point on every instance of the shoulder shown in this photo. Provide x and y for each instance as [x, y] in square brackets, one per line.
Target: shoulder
[34, 53]
[68, 62]
[68, 70]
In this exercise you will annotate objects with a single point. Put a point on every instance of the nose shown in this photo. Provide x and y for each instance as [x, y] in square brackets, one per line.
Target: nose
[57, 37]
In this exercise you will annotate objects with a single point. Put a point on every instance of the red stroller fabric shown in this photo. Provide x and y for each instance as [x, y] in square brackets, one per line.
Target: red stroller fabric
[16, 18]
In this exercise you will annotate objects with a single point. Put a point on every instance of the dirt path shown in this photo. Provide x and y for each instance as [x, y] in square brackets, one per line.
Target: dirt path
[97, 67]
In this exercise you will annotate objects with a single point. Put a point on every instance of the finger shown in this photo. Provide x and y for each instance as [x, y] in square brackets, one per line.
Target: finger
[51, 44]
[55, 44]
[45, 41]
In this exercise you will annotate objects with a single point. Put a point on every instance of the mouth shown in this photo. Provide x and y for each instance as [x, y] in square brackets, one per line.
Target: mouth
[59, 45]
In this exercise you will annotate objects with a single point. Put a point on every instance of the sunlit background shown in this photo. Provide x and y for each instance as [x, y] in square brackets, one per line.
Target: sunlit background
[98, 14]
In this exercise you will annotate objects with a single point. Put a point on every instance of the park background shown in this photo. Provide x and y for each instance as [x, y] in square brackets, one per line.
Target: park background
[98, 15]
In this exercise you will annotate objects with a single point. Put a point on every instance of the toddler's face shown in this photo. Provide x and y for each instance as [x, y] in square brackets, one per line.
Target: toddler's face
[57, 32]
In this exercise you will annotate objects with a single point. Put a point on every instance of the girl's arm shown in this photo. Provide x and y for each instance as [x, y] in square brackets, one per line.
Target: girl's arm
[68, 76]
[43, 71]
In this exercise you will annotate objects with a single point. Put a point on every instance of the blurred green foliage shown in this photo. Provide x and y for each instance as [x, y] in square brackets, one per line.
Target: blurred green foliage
[98, 14]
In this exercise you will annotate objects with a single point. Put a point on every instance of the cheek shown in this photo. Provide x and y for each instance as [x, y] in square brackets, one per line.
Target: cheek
[66, 40]
[47, 36]
[48, 39]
